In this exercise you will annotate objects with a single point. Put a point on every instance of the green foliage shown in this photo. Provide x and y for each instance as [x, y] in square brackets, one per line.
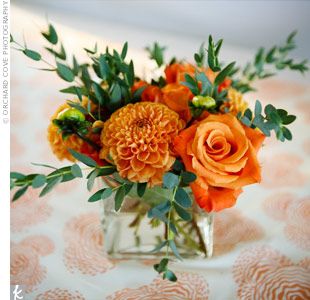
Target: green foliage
[188, 177]
[213, 52]
[224, 73]
[61, 54]
[32, 54]
[64, 72]
[170, 180]
[101, 195]
[38, 181]
[51, 35]
[182, 198]
[141, 187]
[156, 52]
[200, 57]
[83, 158]
[274, 119]
[267, 62]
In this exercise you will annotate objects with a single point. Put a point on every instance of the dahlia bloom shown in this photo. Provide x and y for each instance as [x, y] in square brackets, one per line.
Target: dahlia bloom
[138, 139]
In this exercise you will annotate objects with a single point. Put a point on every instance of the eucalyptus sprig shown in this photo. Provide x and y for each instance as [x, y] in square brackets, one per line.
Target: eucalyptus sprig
[267, 62]
[177, 205]
[58, 175]
[274, 119]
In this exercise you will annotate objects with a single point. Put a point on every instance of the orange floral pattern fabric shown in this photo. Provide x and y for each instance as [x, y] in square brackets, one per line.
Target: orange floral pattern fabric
[264, 273]
[25, 261]
[189, 286]
[84, 246]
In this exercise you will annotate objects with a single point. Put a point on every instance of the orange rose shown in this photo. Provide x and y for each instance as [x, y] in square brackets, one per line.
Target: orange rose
[175, 73]
[177, 97]
[151, 93]
[222, 153]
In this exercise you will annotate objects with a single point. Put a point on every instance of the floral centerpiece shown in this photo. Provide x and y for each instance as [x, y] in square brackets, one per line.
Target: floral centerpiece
[182, 145]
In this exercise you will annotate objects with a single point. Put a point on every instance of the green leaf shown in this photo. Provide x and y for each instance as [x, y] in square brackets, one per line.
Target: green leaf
[188, 177]
[287, 133]
[141, 187]
[106, 170]
[248, 114]
[170, 180]
[182, 198]
[206, 87]
[59, 54]
[170, 276]
[96, 196]
[124, 51]
[137, 94]
[51, 35]
[83, 158]
[116, 93]
[98, 92]
[131, 74]
[162, 266]
[19, 193]
[174, 249]
[119, 197]
[91, 179]
[92, 51]
[16, 175]
[101, 195]
[258, 108]
[178, 166]
[288, 119]
[50, 185]
[38, 181]
[106, 193]
[184, 215]
[158, 247]
[246, 121]
[76, 171]
[224, 73]
[32, 54]
[65, 72]
[103, 67]
[157, 53]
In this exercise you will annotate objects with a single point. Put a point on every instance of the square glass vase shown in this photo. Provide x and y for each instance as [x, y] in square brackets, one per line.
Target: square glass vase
[130, 234]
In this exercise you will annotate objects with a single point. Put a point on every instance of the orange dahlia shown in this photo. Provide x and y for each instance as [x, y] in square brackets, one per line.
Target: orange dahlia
[138, 139]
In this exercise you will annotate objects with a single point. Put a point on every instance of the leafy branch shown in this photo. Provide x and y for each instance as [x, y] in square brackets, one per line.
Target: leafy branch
[178, 204]
[274, 119]
[64, 174]
[277, 58]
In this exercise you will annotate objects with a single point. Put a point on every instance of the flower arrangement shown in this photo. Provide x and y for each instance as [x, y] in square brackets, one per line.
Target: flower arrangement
[189, 132]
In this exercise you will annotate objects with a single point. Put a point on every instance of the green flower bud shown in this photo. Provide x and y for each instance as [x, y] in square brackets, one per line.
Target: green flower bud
[203, 102]
[71, 114]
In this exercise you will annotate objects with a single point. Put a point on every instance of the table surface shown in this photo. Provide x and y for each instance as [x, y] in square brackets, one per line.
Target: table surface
[261, 245]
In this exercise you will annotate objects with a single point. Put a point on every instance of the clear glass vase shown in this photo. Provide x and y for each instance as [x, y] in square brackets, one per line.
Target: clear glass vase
[130, 234]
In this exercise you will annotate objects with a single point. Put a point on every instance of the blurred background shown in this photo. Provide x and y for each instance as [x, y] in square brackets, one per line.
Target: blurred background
[183, 24]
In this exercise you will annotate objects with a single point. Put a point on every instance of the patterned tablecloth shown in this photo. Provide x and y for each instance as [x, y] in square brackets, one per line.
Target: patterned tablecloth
[261, 246]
